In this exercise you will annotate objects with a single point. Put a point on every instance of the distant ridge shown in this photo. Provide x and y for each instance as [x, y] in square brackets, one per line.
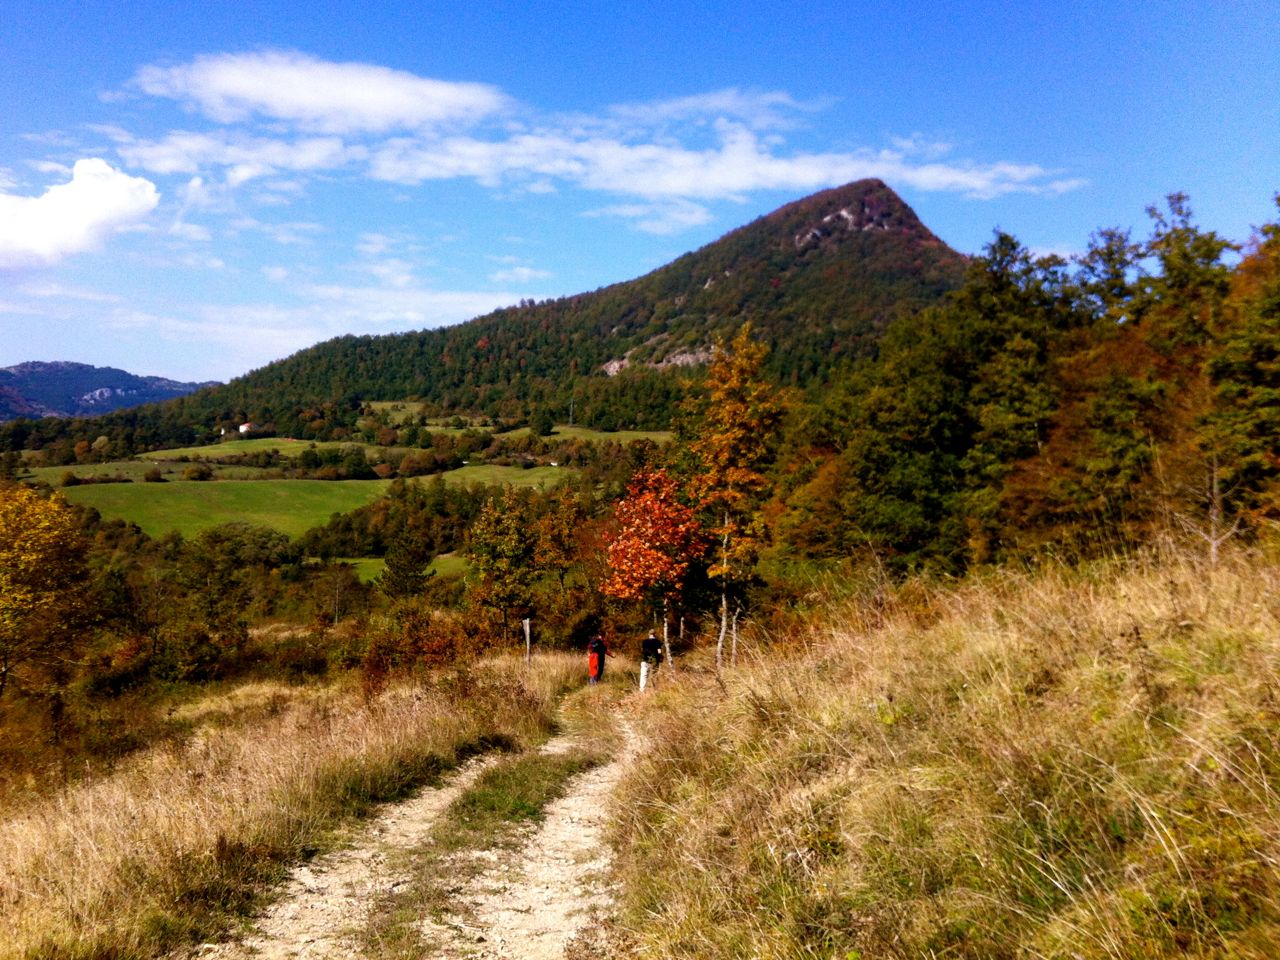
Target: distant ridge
[65, 389]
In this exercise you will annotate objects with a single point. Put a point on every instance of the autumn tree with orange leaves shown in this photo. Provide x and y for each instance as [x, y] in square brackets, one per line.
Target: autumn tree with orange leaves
[738, 421]
[658, 537]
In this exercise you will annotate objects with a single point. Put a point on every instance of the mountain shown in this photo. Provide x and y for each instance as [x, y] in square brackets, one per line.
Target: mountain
[63, 389]
[819, 278]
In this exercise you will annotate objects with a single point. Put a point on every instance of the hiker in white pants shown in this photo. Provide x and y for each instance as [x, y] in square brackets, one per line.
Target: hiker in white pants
[650, 658]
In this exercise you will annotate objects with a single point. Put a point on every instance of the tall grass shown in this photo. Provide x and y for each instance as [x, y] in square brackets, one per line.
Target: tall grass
[181, 838]
[1042, 764]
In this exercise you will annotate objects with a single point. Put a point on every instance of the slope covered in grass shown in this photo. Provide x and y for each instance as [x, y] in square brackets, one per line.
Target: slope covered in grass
[1051, 764]
[182, 837]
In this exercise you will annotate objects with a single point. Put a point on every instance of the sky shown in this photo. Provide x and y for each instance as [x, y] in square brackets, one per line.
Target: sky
[194, 190]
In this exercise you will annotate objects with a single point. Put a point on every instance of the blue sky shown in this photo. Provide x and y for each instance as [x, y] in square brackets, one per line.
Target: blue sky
[194, 190]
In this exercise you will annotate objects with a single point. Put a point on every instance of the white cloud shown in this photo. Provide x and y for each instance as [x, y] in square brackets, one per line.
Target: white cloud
[373, 309]
[738, 164]
[519, 275]
[373, 244]
[660, 218]
[72, 217]
[190, 231]
[58, 291]
[245, 157]
[285, 234]
[275, 274]
[393, 271]
[761, 110]
[46, 167]
[317, 94]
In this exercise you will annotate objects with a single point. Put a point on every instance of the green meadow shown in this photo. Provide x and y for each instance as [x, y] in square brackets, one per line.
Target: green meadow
[290, 506]
[236, 448]
[445, 565]
[544, 477]
[566, 432]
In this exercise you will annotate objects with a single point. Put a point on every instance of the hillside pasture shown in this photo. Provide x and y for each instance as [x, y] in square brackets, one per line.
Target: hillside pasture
[290, 506]
[563, 431]
[369, 569]
[238, 448]
[488, 473]
[136, 471]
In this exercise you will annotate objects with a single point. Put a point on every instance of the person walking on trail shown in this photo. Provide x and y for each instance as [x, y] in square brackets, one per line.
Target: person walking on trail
[597, 650]
[650, 659]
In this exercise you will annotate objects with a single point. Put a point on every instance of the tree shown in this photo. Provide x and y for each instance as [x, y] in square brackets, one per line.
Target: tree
[41, 565]
[405, 573]
[557, 533]
[738, 419]
[501, 549]
[1241, 433]
[657, 538]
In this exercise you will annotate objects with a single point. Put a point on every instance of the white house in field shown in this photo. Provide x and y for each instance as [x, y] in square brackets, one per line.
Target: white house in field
[247, 428]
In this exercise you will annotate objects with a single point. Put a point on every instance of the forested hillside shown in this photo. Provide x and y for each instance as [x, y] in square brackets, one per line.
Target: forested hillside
[820, 278]
[1055, 406]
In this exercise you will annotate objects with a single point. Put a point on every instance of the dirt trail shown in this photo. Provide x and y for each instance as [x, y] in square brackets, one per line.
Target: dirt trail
[324, 903]
[528, 904]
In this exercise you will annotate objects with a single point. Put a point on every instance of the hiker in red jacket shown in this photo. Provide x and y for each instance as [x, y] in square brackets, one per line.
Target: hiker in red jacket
[597, 650]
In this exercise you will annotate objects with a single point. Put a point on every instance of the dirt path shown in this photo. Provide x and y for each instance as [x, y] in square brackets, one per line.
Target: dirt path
[528, 904]
[322, 909]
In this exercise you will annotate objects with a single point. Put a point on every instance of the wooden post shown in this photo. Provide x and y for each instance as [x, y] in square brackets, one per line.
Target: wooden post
[528, 640]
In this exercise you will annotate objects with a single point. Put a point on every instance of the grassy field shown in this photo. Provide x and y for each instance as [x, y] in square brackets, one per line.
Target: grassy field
[290, 506]
[136, 470]
[369, 568]
[236, 448]
[544, 477]
[566, 432]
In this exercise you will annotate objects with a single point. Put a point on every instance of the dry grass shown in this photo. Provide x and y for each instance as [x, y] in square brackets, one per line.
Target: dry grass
[1049, 764]
[181, 838]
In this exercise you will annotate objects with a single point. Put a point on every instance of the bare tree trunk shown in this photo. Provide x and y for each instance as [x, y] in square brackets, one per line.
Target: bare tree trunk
[724, 628]
[724, 595]
[733, 655]
[666, 638]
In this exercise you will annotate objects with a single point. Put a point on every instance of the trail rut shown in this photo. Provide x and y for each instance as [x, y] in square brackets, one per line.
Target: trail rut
[527, 903]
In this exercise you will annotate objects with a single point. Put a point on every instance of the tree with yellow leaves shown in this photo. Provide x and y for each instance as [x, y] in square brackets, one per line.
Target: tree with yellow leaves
[41, 565]
[739, 418]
